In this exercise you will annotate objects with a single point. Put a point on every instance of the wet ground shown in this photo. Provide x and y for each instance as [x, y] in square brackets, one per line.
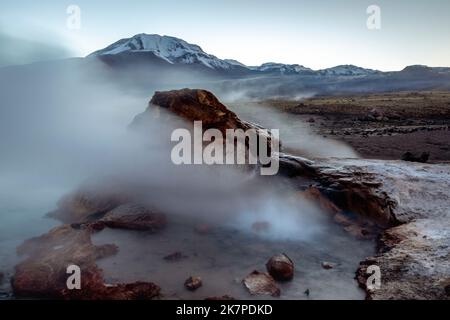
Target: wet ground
[225, 255]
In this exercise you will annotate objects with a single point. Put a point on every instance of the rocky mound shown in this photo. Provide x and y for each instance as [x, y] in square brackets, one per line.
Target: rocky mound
[196, 105]
[44, 274]
[409, 200]
[88, 204]
[134, 216]
[414, 260]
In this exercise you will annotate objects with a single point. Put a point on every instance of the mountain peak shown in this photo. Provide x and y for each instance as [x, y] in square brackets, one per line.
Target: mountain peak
[147, 42]
[275, 67]
[171, 49]
[347, 70]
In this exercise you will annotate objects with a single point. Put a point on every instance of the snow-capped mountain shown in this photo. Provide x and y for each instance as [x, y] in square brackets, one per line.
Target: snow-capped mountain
[235, 63]
[281, 68]
[176, 51]
[170, 49]
[347, 70]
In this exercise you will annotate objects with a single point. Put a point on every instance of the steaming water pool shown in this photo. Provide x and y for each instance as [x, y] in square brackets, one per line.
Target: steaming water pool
[24, 203]
[224, 256]
[18, 223]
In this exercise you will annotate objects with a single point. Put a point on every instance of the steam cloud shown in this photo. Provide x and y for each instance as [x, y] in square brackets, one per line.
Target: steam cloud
[62, 126]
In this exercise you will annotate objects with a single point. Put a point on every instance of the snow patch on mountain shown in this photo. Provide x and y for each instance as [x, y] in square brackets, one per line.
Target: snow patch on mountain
[235, 63]
[347, 70]
[281, 68]
[170, 49]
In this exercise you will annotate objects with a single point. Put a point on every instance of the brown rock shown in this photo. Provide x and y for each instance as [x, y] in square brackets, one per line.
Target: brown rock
[196, 105]
[87, 204]
[327, 265]
[134, 217]
[280, 267]
[193, 283]
[43, 274]
[260, 283]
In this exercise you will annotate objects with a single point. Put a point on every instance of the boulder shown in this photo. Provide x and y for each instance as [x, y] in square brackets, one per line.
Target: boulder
[134, 216]
[43, 274]
[260, 283]
[87, 204]
[280, 267]
[327, 265]
[193, 283]
[196, 105]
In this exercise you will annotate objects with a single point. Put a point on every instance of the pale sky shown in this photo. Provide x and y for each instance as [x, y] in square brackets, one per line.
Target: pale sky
[316, 34]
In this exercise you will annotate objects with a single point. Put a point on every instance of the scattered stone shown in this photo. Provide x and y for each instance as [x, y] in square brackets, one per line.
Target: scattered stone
[261, 226]
[176, 256]
[311, 120]
[261, 283]
[280, 267]
[375, 115]
[193, 283]
[327, 265]
[307, 292]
